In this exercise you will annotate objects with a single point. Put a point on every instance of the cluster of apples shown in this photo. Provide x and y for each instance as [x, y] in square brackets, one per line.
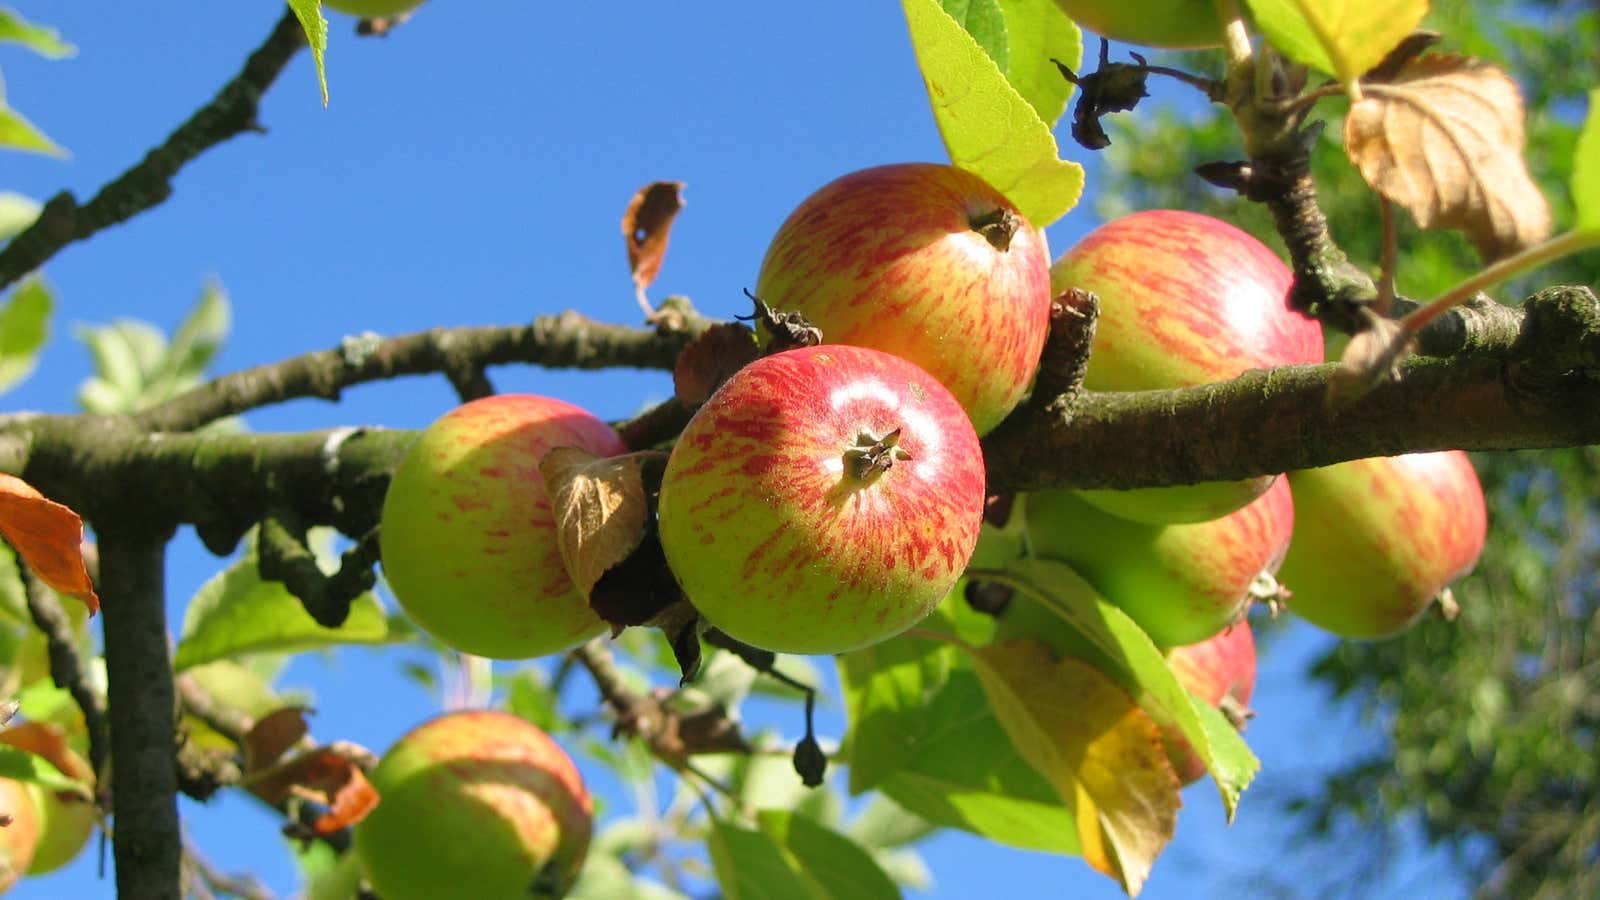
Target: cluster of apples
[47, 828]
[828, 497]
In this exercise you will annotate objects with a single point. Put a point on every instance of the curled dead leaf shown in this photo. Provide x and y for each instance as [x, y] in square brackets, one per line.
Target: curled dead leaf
[273, 735]
[1371, 358]
[645, 227]
[1444, 141]
[48, 536]
[710, 359]
[331, 776]
[600, 507]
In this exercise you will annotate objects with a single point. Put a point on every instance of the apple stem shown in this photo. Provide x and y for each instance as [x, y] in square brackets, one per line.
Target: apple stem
[872, 457]
[998, 226]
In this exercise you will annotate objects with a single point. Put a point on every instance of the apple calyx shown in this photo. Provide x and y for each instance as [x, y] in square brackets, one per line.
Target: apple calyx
[998, 226]
[871, 457]
[1267, 590]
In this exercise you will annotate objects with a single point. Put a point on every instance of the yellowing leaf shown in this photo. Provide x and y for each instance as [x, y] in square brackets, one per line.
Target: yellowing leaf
[1444, 141]
[1586, 170]
[41, 39]
[1038, 31]
[18, 133]
[1102, 753]
[1344, 38]
[600, 509]
[47, 535]
[988, 128]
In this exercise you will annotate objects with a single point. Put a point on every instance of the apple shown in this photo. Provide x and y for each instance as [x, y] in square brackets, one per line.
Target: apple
[480, 803]
[65, 820]
[1172, 24]
[372, 9]
[19, 838]
[467, 535]
[1185, 299]
[1182, 583]
[1379, 539]
[927, 262]
[823, 499]
[1220, 671]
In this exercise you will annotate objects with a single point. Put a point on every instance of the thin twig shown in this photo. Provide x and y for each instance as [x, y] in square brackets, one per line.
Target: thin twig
[67, 668]
[232, 111]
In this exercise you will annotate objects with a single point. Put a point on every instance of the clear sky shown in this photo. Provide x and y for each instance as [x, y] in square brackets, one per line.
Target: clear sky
[472, 168]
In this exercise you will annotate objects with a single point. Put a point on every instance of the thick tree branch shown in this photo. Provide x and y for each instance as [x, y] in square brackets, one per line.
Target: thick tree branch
[568, 340]
[1525, 387]
[147, 845]
[231, 112]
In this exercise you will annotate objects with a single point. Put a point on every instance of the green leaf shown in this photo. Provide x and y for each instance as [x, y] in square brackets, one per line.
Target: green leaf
[988, 128]
[1124, 652]
[20, 765]
[238, 686]
[24, 327]
[41, 39]
[751, 866]
[529, 696]
[18, 133]
[16, 213]
[923, 734]
[236, 613]
[605, 877]
[309, 12]
[1039, 31]
[1344, 38]
[885, 824]
[196, 341]
[1586, 170]
[793, 858]
[840, 867]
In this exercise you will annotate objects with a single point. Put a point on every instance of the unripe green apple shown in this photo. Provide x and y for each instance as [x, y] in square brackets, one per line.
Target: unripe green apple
[1181, 583]
[1379, 539]
[1220, 671]
[475, 804]
[372, 9]
[18, 839]
[927, 262]
[1173, 24]
[65, 821]
[1185, 299]
[823, 499]
[468, 536]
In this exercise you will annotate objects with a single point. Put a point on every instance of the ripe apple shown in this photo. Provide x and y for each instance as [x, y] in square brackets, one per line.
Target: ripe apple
[1379, 539]
[927, 262]
[65, 820]
[467, 534]
[823, 499]
[1185, 299]
[1181, 583]
[372, 9]
[1221, 671]
[1173, 24]
[21, 836]
[475, 803]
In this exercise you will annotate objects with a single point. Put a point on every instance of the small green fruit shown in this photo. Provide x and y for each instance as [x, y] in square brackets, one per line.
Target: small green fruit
[468, 536]
[475, 804]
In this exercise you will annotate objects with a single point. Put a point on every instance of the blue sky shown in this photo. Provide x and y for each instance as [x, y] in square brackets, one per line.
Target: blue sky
[472, 168]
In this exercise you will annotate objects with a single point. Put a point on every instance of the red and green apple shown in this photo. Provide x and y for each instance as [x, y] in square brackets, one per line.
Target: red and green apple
[823, 499]
[927, 262]
[1185, 299]
[467, 534]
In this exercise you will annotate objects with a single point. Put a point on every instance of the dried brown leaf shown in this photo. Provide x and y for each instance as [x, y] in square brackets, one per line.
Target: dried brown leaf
[48, 536]
[710, 359]
[600, 509]
[272, 735]
[1444, 141]
[328, 775]
[645, 226]
[1372, 357]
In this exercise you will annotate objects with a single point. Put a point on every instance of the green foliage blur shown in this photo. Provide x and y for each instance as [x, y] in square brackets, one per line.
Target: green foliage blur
[1492, 720]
